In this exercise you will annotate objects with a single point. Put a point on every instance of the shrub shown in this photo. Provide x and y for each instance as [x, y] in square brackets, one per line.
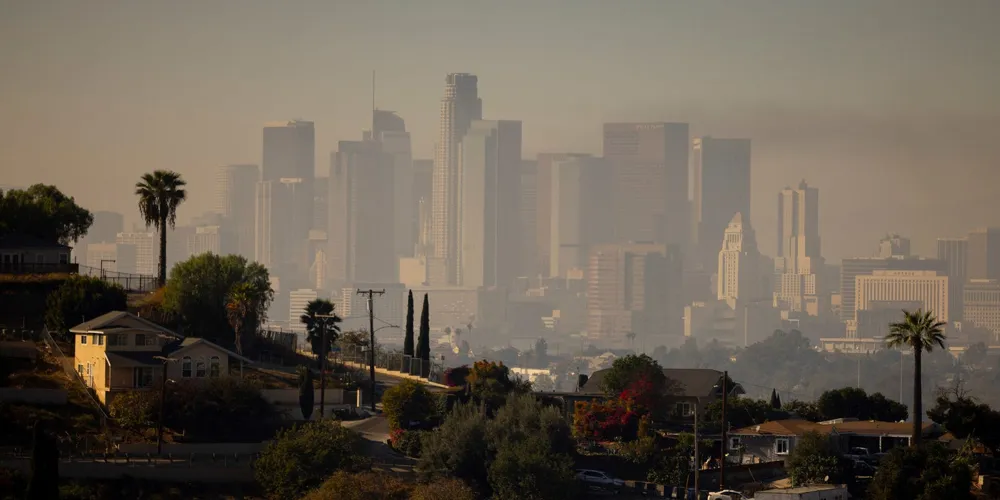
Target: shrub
[82, 297]
[361, 486]
[446, 488]
[407, 442]
[134, 410]
[222, 409]
[301, 457]
[455, 377]
[407, 402]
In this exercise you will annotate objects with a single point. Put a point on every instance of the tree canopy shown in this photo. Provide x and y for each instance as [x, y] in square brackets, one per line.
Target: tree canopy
[851, 402]
[44, 212]
[929, 472]
[406, 402]
[813, 460]
[301, 458]
[626, 370]
[81, 298]
[317, 325]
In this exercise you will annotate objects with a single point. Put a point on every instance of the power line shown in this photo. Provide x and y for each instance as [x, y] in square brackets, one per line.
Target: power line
[371, 331]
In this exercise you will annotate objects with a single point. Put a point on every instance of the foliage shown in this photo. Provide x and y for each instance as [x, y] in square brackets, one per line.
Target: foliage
[740, 412]
[965, 417]
[639, 451]
[920, 331]
[851, 402]
[929, 472]
[355, 338]
[460, 447]
[408, 402]
[407, 442]
[44, 212]
[626, 370]
[775, 400]
[619, 417]
[160, 193]
[219, 409]
[527, 469]
[423, 350]
[543, 383]
[82, 298]
[298, 459]
[671, 467]
[344, 485]
[134, 410]
[307, 395]
[44, 481]
[200, 292]
[455, 377]
[806, 410]
[813, 460]
[489, 383]
[444, 488]
[408, 339]
[316, 327]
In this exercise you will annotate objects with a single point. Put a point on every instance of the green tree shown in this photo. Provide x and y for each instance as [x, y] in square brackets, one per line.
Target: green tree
[967, 418]
[976, 355]
[626, 370]
[805, 410]
[852, 402]
[929, 472]
[424, 341]
[134, 410]
[344, 485]
[408, 339]
[82, 298]
[919, 331]
[459, 448]
[306, 395]
[44, 482]
[527, 469]
[44, 212]
[444, 488]
[316, 327]
[160, 193]
[300, 458]
[775, 400]
[225, 409]
[406, 402]
[813, 460]
[671, 466]
[206, 291]
[541, 354]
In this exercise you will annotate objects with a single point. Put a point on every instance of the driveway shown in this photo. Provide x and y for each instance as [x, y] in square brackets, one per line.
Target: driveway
[375, 431]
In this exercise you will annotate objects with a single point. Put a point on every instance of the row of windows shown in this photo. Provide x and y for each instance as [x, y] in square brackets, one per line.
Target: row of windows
[780, 445]
[214, 367]
[119, 339]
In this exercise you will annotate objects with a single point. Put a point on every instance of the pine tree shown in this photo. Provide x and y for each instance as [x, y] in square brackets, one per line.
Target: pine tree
[408, 340]
[775, 400]
[424, 341]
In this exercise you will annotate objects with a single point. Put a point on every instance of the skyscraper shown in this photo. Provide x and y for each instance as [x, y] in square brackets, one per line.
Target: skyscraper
[894, 246]
[953, 251]
[543, 208]
[581, 212]
[390, 132]
[650, 186]
[235, 191]
[420, 206]
[290, 153]
[738, 261]
[983, 254]
[147, 251]
[460, 106]
[490, 205]
[721, 190]
[799, 260]
[529, 218]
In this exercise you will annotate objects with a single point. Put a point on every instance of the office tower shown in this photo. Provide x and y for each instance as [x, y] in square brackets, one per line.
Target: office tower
[236, 188]
[581, 212]
[319, 268]
[929, 288]
[489, 204]
[460, 106]
[983, 254]
[211, 239]
[543, 207]
[282, 233]
[650, 187]
[982, 305]
[422, 191]
[362, 214]
[147, 250]
[321, 212]
[894, 246]
[112, 257]
[799, 260]
[721, 189]
[953, 251]
[851, 268]
[390, 132]
[738, 262]
[105, 229]
[297, 302]
[529, 223]
[290, 153]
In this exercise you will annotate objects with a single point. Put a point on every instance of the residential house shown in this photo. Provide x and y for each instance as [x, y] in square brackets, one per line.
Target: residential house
[119, 352]
[23, 254]
[773, 441]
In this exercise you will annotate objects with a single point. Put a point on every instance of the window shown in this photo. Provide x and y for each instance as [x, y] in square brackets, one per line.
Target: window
[143, 377]
[79, 369]
[64, 258]
[117, 339]
[200, 368]
[186, 367]
[734, 443]
[83, 339]
[685, 409]
[214, 367]
[140, 339]
[781, 446]
[98, 339]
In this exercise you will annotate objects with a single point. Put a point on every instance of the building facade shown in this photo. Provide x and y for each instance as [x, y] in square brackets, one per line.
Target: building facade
[721, 182]
[799, 261]
[926, 287]
[738, 262]
[235, 200]
[580, 214]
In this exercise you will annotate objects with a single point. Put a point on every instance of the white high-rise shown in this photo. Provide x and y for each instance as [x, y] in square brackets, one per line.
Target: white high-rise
[738, 261]
[459, 107]
[798, 262]
[146, 249]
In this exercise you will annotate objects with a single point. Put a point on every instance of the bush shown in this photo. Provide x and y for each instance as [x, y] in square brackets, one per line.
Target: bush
[447, 488]
[408, 402]
[455, 377]
[222, 409]
[134, 410]
[301, 457]
[406, 442]
[362, 486]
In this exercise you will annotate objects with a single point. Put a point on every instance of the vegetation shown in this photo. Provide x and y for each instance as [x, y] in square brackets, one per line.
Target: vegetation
[406, 403]
[929, 472]
[919, 331]
[625, 371]
[44, 212]
[851, 402]
[301, 458]
[160, 193]
[423, 351]
[408, 338]
[361, 486]
[814, 460]
[318, 327]
[488, 384]
[44, 482]
[445, 488]
[81, 298]
[205, 290]
[224, 409]
[617, 418]
[307, 395]
[967, 418]
[134, 410]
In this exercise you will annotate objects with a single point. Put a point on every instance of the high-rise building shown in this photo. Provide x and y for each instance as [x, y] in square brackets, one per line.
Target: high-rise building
[423, 173]
[953, 251]
[982, 305]
[529, 222]
[112, 257]
[211, 239]
[799, 261]
[105, 229]
[894, 246]
[290, 153]
[147, 250]
[236, 188]
[581, 212]
[983, 254]
[321, 211]
[297, 302]
[390, 132]
[543, 208]
[460, 106]
[721, 189]
[851, 268]
[927, 287]
[489, 201]
[738, 262]
[362, 214]
[650, 187]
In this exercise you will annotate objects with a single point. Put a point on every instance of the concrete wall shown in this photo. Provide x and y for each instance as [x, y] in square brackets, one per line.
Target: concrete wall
[33, 396]
[184, 450]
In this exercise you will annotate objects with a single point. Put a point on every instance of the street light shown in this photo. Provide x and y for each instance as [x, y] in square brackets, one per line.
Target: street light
[163, 397]
[102, 265]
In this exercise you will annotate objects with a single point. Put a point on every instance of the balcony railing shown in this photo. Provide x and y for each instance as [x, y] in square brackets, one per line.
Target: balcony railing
[37, 268]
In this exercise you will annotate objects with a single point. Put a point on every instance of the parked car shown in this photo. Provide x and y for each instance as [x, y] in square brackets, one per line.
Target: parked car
[726, 495]
[863, 469]
[598, 478]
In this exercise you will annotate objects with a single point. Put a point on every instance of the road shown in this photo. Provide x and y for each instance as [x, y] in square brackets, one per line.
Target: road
[375, 431]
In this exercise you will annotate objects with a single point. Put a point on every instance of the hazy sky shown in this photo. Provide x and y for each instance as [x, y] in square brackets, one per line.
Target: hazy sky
[890, 108]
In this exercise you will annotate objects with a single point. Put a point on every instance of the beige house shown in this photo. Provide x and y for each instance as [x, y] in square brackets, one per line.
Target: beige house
[119, 352]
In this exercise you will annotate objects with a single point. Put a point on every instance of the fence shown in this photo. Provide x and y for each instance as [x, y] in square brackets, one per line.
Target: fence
[393, 360]
[129, 281]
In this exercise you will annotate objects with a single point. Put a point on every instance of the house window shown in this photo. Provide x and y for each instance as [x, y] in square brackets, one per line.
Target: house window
[64, 258]
[143, 377]
[781, 446]
[99, 339]
[685, 409]
[214, 366]
[140, 339]
[117, 339]
[200, 368]
[79, 369]
[83, 339]
[735, 443]
[186, 367]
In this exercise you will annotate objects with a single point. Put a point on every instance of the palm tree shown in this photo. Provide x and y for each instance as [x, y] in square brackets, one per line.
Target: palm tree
[246, 306]
[315, 327]
[160, 193]
[920, 331]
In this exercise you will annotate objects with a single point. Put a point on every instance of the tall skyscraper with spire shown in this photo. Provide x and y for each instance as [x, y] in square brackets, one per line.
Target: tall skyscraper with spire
[799, 260]
[459, 107]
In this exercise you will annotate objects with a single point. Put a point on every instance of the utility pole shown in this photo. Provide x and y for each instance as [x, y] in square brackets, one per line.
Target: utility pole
[371, 330]
[163, 397]
[697, 463]
[725, 441]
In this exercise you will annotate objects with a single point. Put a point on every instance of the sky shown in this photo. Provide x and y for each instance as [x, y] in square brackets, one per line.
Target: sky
[890, 107]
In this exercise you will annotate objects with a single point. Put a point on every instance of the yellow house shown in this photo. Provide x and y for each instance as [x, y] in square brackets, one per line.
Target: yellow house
[119, 351]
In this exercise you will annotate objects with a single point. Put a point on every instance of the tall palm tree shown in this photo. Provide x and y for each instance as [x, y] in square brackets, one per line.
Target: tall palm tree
[246, 307]
[315, 326]
[160, 193]
[920, 331]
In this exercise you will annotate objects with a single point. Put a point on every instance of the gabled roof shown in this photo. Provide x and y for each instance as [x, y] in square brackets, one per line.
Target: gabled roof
[685, 382]
[113, 320]
[28, 241]
[181, 345]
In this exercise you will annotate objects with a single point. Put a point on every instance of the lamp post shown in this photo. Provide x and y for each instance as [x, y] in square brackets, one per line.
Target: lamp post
[163, 397]
[102, 265]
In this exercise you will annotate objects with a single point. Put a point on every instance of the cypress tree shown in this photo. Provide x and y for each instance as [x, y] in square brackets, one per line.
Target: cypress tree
[408, 339]
[424, 341]
[775, 400]
[44, 483]
[307, 397]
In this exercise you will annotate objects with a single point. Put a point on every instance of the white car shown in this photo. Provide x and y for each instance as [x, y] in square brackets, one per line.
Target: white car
[726, 495]
[598, 478]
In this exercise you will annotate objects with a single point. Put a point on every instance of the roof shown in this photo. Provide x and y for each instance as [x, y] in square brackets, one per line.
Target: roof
[111, 321]
[29, 241]
[126, 359]
[178, 346]
[788, 427]
[798, 427]
[687, 382]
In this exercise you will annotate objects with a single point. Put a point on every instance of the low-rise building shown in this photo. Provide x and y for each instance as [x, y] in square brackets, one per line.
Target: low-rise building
[24, 254]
